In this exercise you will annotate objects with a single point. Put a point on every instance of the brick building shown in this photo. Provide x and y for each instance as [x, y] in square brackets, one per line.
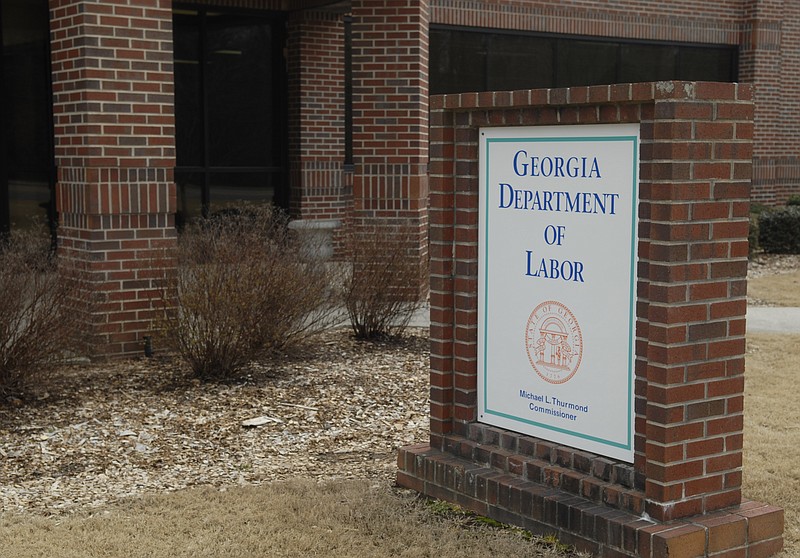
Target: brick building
[122, 117]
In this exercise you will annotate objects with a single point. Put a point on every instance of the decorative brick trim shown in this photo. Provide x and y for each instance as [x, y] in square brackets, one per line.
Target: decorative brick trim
[115, 153]
[775, 180]
[387, 190]
[114, 190]
[704, 22]
[577, 517]
[761, 34]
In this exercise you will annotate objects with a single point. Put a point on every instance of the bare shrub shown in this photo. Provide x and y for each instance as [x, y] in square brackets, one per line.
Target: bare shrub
[385, 283]
[244, 286]
[38, 322]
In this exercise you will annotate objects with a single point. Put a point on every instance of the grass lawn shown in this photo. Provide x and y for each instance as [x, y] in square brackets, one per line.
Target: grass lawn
[284, 519]
[772, 428]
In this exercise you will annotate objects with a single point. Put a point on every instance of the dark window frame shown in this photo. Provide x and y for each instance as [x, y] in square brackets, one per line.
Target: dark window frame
[5, 209]
[279, 108]
[50, 210]
[558, 41]
[348, 92]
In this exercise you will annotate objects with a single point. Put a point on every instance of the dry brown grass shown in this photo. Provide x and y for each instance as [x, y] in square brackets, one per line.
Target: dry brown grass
[777, 290]
[772, 429]
[290, 519]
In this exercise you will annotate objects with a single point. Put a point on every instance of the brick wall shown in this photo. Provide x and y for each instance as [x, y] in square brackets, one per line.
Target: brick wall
[695, 169]
[767, 32]
[390, 114]
[112, 80]
[275, 5]
[772, 56]
[705, 21]
[321, 188]
[114, 147]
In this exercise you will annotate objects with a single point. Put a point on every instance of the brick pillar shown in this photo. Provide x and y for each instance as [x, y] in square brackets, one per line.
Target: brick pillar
[115, 153]
[321, 189]
[696, 188]
[768, 55]
[390, 114]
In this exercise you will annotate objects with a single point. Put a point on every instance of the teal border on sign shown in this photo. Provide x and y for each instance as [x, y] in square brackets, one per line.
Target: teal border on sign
[631, 316]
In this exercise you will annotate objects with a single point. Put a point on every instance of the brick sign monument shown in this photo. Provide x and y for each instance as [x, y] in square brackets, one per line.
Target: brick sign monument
[588, 280]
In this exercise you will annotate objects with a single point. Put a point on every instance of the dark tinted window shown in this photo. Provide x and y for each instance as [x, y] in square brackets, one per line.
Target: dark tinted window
[706, 64]
[242, 123]
[519, 62]
[189, 113]
[642, 62]
[230, 111]
[472, 60]
[585, 63]
[458, 61]
[26, 146]
[232, 186]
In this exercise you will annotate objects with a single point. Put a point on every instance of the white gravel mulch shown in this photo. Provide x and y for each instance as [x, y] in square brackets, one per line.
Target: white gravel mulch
[762, 265]
[338, 409]
[102, 432]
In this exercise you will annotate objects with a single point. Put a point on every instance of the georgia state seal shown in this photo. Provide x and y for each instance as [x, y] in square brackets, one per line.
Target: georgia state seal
[553, 342]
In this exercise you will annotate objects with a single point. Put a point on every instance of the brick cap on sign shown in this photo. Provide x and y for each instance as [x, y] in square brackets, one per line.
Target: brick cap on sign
[594, 94]
[749, 529]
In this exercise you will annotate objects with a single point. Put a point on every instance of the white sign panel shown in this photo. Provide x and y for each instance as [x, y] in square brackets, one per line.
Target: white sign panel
[557, 283]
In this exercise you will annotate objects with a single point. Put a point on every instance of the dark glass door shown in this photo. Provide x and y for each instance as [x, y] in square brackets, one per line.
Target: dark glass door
[230, 108]
[26, 131]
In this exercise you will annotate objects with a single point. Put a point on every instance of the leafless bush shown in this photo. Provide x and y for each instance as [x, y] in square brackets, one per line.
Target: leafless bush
[244, 287]
[38, 323]
[384, 286]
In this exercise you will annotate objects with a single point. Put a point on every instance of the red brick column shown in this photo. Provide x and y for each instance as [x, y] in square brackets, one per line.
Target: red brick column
[319, 189]
[681, 496]
[114, 134]
[390, 114]
[695, 181]
[768, 54]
